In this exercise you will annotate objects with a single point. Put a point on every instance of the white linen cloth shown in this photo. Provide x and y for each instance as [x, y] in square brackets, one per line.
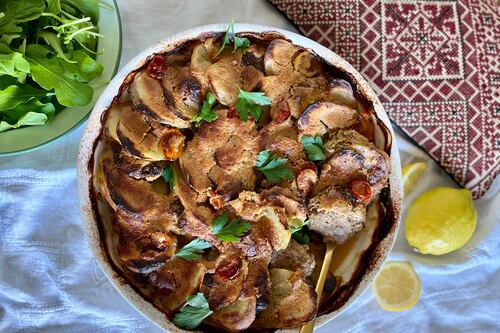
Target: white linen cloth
[49, 281]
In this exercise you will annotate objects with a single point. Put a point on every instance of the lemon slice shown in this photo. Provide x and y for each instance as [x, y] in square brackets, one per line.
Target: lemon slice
[397, 286]
[440, 221]
[411, 173]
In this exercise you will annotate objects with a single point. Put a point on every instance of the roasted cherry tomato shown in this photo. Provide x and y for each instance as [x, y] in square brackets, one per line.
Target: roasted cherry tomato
[231, 113]
[157, 67]
[281, 113]
[229, 268]
[362, 190]
[172, 143]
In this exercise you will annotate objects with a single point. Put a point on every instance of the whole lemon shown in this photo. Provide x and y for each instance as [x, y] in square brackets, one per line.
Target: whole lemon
[441, 220]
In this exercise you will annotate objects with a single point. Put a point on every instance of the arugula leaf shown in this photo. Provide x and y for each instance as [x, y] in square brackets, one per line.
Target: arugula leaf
[82, 67]
[193, 250]
[206, 112]
[274, 168]
[53, 6]
[168, 176]
[18, 11]
[88, 8]
[29, 114]
[49, 74]
[13, 63]
[314, 148]
[239, 42]
[250, 102]
[229, 232]
[13, 95]
[54, 42]
[193, 313]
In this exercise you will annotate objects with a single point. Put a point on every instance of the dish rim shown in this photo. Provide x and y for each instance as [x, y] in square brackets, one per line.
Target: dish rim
[93, 131]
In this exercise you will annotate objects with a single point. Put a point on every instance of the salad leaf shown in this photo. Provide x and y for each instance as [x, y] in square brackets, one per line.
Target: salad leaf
[88, 8]
[14, 95]
[18, 11]
[206, 112]
[13, 63]
[193, 250]
[34, 105]
[229, 232]
[313, 146]
[250, 102]
[275, 169]
[193, 313]
[53, 6]
[54, 42]
[49, 73]
[29, 119]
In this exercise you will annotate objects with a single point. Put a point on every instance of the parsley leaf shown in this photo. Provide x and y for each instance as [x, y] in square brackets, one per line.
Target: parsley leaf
[314, 147]
[274, 168]
[250, 102]
[294, 228]
[229, 232]
[193, 250]
[193, 313]
[299, 233]
[206, 112]
[239, 42]
[168, 176]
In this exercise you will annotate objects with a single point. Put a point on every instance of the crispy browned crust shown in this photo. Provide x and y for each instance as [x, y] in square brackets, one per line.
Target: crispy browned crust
[216, 170]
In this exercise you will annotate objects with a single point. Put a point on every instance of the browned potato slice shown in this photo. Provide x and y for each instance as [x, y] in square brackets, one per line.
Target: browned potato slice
[279, 56]
[112, 119]
[295, 256]
[202, 58]
[175, 281]
[139, 136]
[341, 93]
[224, 77]
[139, 169]
[237, 316]
[147, 95]
[320, 117]
[336, 214]
[136, 198]
[183, 92]
[293, 301]
[306, 64]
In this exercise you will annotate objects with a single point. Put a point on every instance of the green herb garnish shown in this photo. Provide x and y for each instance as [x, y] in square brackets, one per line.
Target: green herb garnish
[274, 168]
[207, 113]
[299, 233]
[314, 147]
[193, 250]
[241, 43]
[193, 313]
[250, 102]
[229, 232]
[168, 176]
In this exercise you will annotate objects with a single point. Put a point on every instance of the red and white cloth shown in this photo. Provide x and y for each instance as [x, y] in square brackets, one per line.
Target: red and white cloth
[435, 66]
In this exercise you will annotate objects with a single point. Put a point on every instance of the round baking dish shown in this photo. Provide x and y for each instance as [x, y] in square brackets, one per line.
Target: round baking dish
[358, 260]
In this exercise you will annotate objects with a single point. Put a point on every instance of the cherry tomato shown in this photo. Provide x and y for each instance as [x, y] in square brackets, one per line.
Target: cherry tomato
[172, 143]
[282, 112]
[229, 268]
[157, 67]
[231, 113]
[362, 190]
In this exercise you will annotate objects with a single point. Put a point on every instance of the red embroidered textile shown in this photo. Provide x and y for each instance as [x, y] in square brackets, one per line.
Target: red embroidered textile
[435, 66]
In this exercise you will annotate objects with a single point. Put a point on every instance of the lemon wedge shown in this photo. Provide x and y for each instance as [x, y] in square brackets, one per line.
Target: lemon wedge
[397, 286]
[411, 173]
[441, 220]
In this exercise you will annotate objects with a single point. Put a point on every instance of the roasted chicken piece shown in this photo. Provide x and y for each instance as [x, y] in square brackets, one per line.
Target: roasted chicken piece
[221, 157]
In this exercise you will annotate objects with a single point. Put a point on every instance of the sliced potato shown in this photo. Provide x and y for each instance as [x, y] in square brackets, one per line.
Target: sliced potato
[341, 93]
[293, 301]
[279, 56]
[224, 77]
[147, 95]
[307, 64]
[321, 117]
[237, 316]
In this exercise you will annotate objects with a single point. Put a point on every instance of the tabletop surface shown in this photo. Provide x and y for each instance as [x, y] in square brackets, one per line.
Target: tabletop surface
[49, 281]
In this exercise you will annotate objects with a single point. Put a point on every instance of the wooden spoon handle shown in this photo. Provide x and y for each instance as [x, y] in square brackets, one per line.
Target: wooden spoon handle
[308, 328]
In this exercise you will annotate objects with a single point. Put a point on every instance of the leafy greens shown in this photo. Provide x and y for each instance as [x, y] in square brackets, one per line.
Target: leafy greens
[229, 231]
[193, 313]
[274, 168]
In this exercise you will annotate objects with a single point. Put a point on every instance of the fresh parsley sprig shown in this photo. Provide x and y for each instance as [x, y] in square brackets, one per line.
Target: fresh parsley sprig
[168, 176]
[193, 313]
[241, 43]
[274, 168]
[207, 113]
[251, 102]
[193, 250]
[314, 147]
[229, 232]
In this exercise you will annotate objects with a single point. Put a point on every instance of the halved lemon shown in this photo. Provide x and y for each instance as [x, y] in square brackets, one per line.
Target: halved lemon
[411, 173]
[397, 286]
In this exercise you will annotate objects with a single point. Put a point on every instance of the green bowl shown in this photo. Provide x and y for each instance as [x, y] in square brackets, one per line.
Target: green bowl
[29, 138]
